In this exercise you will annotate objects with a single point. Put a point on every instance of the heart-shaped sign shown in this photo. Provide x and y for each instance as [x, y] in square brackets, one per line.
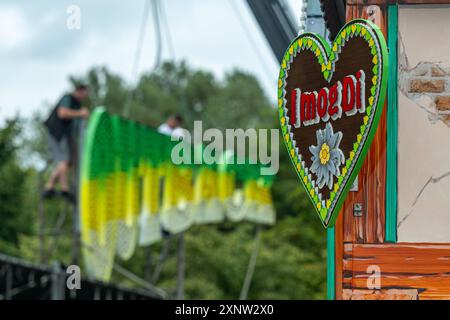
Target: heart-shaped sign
[330, 101]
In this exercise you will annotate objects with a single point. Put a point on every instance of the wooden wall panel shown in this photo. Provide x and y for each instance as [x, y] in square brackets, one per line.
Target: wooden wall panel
[370, 228]
[408, 270]
[420, 266]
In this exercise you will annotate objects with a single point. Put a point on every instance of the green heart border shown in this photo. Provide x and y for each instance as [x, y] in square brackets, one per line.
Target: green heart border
[327, 56]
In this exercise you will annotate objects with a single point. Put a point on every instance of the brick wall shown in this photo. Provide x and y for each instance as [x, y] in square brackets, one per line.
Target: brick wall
[391, 294]
[428, 84]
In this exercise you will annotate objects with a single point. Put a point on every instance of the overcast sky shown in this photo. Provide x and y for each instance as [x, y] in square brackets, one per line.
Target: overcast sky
[38, 51]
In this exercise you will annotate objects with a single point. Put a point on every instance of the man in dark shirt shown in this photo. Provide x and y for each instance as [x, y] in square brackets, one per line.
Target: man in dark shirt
[60, 125]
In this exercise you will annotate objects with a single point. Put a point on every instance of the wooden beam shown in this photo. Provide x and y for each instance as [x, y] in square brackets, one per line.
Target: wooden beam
[391, 294]
[421, 266]
[369, 2]
[387, 2]
[423, 1]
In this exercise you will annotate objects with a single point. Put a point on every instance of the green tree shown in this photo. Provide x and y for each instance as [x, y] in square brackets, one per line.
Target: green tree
[292, 259]
[14, 212]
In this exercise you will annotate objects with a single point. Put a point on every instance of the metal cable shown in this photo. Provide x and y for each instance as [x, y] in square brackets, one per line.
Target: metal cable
[137, 55]
[128, 274]
[167, 33]
[157, 24]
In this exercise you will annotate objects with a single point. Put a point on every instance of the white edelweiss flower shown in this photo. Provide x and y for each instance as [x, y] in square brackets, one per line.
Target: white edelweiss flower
[326, 156]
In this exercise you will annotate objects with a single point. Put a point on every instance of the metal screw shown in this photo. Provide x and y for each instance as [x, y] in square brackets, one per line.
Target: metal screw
[358, 209]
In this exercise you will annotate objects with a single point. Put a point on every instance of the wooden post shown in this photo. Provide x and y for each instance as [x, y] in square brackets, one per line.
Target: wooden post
[41, 215]
[57, 283]
[180, 267]
[162, 257]
[76, 187]
[251, 265]
[8, 282]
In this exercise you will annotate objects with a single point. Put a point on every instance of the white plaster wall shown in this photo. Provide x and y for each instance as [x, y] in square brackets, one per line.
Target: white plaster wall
[423, 144]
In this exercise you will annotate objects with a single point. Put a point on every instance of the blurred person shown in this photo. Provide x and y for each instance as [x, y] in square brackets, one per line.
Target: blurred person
[61, 126]
[172, 127]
